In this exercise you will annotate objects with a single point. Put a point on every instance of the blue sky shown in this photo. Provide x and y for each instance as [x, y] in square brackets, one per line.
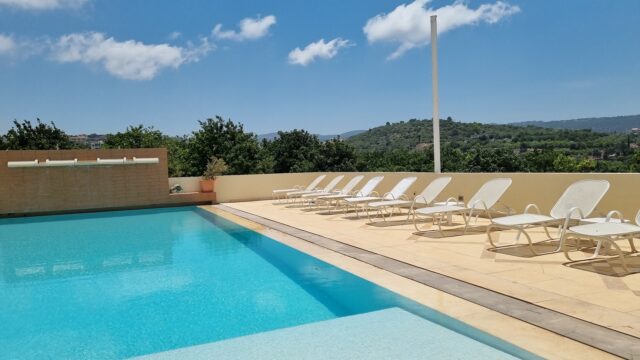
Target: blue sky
[100, 65]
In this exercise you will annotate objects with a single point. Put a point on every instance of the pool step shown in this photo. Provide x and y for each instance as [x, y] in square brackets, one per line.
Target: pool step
[385, 334]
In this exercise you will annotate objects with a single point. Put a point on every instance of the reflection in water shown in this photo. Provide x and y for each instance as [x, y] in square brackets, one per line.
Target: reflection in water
[61, 249]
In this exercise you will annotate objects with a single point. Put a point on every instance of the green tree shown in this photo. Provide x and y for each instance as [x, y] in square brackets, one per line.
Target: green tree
[564, 163]
[223, 139]
[178, 154]
[25, 136]
[634, 162]
[337, 155]
[135, 137]
[493, 160]
[453, 159]
[295, 151]
[539, 161]
[586, 165]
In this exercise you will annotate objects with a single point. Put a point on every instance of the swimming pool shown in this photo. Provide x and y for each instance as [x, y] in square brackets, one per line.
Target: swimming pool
[128, 283]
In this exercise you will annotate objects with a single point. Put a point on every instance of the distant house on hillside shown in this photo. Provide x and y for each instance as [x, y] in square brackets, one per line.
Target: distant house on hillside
[92, 141]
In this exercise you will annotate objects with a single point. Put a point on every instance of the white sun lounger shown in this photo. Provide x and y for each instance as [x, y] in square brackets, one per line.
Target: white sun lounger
[328, 188]
[425, 198]
[396, 193]
[346, 190]
[606, 234]
[482, 202]
[577, 201]
[366, 191]
[278, 194]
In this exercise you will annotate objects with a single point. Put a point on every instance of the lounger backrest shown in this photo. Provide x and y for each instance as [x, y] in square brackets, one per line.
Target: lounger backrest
[347, 189]
[315, 182]
[400, 188]
[330, 186]
[435, 187]
[368, 188]
[583, 194]
[490, 192]
[638, 218]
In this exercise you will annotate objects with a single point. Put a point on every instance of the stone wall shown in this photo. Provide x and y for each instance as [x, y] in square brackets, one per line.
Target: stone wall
[86, 186]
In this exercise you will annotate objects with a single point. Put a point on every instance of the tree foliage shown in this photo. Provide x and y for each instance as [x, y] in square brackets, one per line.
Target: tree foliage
[403, 146]
[226, 140]
[135, 137]
[25, 136]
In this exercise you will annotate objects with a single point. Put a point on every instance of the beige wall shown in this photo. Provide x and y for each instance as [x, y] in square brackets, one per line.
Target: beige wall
[540, 188]
[53, 189]
[189, 184]
[62, 189]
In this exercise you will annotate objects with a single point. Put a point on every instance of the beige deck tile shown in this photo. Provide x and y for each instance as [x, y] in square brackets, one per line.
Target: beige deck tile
[624, 301]
[523, 275]
[539, 341]
[502, 286]
[604, 316]
[562, 287]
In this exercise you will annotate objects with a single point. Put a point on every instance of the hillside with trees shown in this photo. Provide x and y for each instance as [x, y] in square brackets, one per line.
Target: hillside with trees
[615, 124]
[403, 146]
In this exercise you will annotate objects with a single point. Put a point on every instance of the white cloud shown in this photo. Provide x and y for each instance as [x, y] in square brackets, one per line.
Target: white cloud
[175, 35]
[409, 24]
[131, 60]
[7, 44]
[21, 48]
[43, 4]
[250, 29]
[318, 49]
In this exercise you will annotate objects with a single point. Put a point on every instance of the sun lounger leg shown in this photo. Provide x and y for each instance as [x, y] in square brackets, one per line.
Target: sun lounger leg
[466, 221]
[633, 247]
[440, 224]
[489, 228]
[415, 221]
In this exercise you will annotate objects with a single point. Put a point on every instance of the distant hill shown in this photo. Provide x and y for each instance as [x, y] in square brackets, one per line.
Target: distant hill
[416, 134]
[346, 135]
[614, 124]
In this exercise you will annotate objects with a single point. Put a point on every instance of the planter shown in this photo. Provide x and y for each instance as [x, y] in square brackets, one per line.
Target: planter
[207, 186]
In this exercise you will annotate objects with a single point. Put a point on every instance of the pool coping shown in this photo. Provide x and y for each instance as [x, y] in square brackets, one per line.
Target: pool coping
[596, 336]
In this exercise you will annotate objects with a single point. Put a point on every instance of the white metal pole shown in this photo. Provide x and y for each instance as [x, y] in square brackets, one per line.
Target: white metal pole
[434, 77]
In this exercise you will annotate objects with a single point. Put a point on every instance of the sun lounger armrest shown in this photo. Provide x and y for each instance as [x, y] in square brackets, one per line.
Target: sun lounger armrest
[390, 194]
[373, 193]
[574, 210]
[532, 206]
[613, 213]
[415, 200]
[403, 197]
[453, 201]
[567, 219]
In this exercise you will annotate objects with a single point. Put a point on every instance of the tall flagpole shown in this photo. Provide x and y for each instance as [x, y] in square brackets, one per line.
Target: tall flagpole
[434, 77]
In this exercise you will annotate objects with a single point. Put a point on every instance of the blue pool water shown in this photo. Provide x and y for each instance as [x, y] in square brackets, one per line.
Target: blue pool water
[120, 284]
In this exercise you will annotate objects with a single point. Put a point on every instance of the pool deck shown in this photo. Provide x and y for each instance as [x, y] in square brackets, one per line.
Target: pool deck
[540, 296]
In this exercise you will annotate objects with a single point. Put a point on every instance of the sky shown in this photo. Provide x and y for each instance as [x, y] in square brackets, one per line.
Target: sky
[330, 66]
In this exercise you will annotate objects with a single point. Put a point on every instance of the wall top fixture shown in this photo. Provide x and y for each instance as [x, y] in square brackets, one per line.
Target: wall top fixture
[75, 162]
